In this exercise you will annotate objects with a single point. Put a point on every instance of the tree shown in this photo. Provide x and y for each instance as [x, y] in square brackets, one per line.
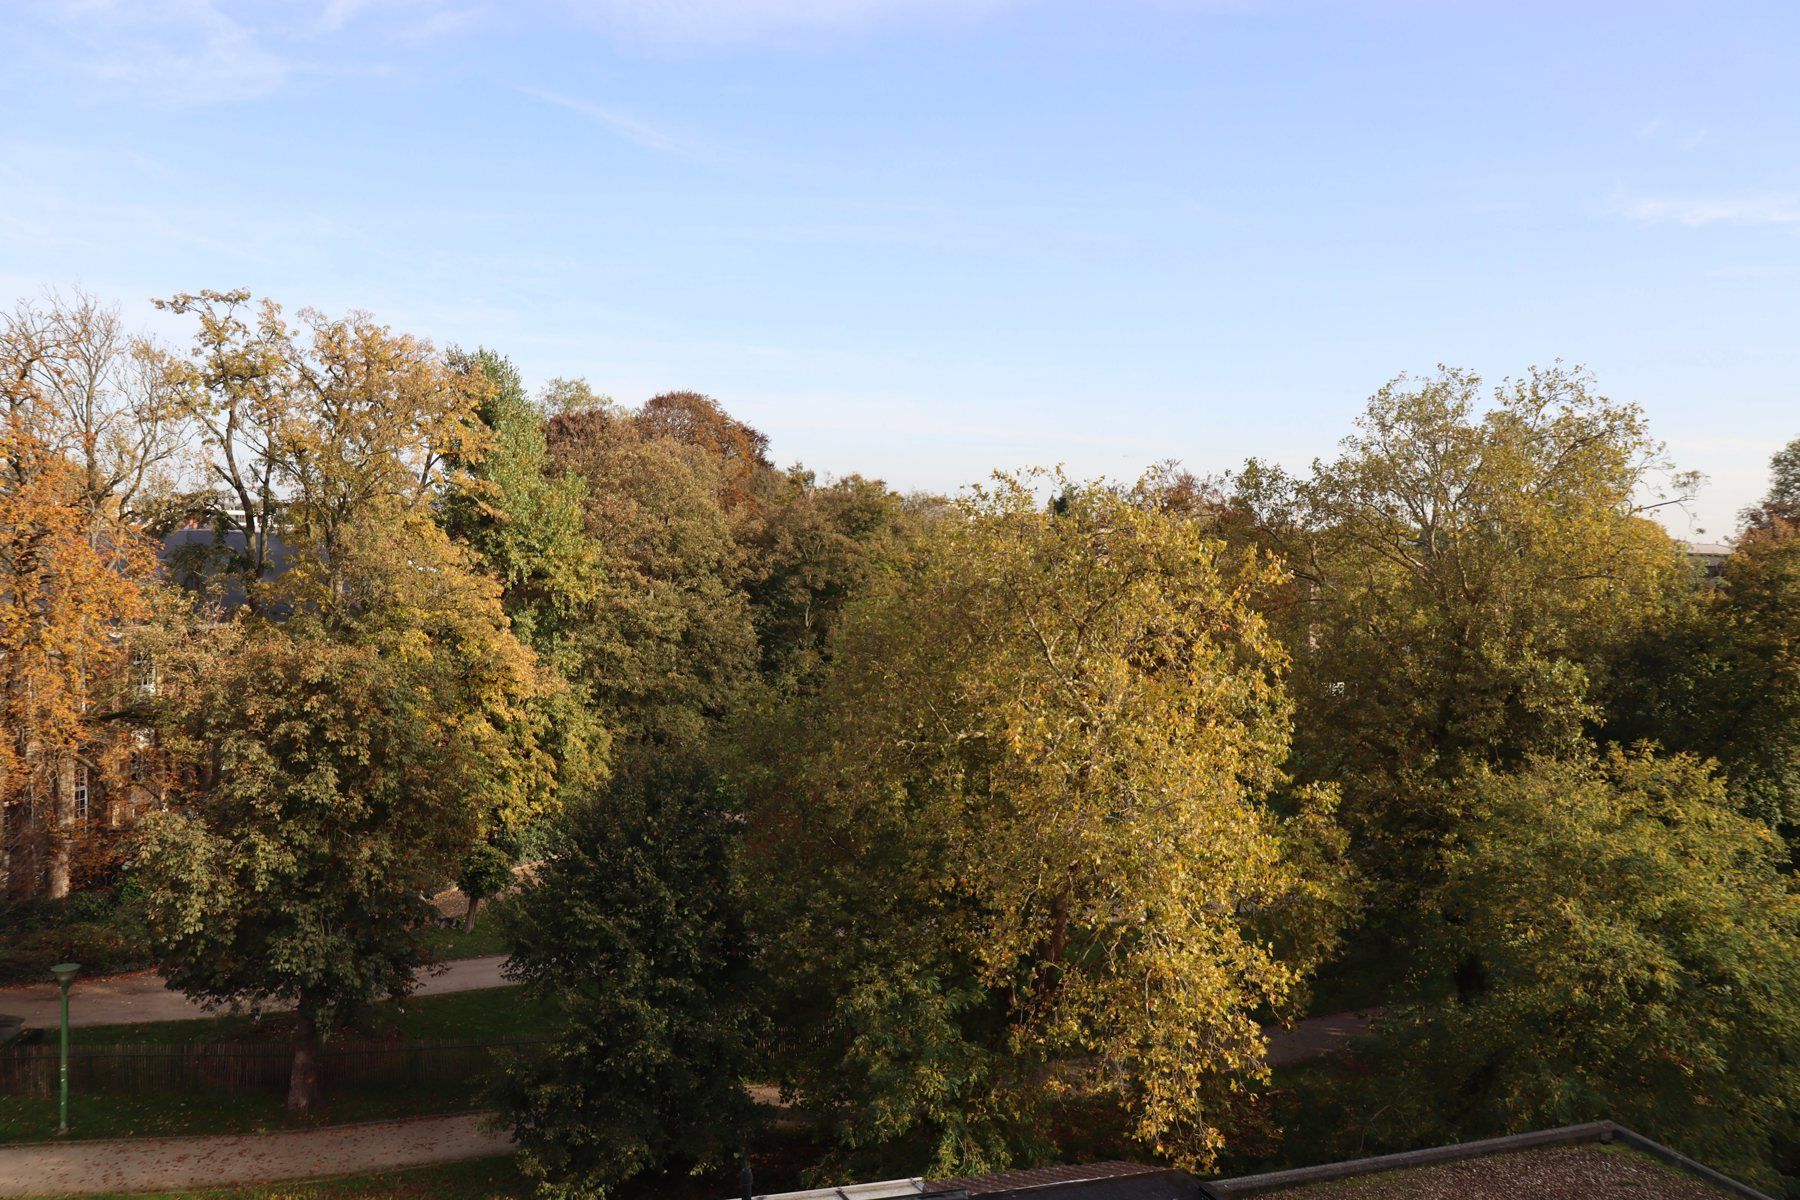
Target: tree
[740, 451]
[1783, 500]
[354, 738]
[1461, 581]
[523, 520]
[68, 588]
[667, 646]
[1017, 851]
[487, 872]
[110, 407]
[815, 548]
[1643, 955]
[305, 432]
[342, 767]
[629, 930]
[1721, 676]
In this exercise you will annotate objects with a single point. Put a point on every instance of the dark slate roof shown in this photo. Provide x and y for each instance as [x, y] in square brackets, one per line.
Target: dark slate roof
[192, 553]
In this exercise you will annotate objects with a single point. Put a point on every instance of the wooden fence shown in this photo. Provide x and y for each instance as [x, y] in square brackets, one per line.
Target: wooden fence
[238, 1067]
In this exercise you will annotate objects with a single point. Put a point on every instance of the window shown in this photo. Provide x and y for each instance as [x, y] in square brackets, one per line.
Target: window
[81, 791]
[143, 673]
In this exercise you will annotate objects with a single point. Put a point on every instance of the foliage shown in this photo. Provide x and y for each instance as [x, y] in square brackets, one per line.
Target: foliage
[1461, 578]
[343, 762]
[1015, 850]
[1783, 500]
[740, 451]
[101, 930]
[630, 931]
[667, 646]
[307, 433]
[1722, 678]
[329, 801]
[1643, 964]
[71, 576]
[486, 872]
[523, 521]
[341, 771]
[815, 548]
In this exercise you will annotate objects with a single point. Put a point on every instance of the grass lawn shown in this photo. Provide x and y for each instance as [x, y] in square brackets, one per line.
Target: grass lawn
[174, 1114]
[493, 1014]
[485, 939]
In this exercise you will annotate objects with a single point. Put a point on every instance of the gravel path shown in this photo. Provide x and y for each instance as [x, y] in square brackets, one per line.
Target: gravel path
[150, 1164]
[1318, 1036]
[142, 996]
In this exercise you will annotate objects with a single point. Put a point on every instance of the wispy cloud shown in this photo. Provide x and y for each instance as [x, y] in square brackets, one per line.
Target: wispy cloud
[641, 133]
[716, 23]
[407, 20]
[182, 51]
[1656, 128]
[1738, 210]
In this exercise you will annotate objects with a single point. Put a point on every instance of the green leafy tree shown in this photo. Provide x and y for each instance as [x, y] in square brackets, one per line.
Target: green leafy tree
[1643, 957]
[485, 873]
[630, 931]
[330, 796]
[815, 548]
[348, 743]
[667, 647]
[1462, 578]
[1783, 500]
[1017, 852]
[523, 520]
[1721, 677]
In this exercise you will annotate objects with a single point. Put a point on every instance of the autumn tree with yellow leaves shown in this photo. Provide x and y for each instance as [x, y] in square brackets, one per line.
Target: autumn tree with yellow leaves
[371, 719]
[1023, 852]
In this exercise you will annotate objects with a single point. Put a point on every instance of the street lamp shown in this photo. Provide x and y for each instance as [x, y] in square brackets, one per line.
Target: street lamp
[65, 975]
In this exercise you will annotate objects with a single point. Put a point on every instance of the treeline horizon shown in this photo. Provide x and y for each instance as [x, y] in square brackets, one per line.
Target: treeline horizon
[991, 827]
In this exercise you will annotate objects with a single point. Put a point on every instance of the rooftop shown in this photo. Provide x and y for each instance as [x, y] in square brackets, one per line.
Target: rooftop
[1600, 1160]
[1596, 1161]
[1591, 1172]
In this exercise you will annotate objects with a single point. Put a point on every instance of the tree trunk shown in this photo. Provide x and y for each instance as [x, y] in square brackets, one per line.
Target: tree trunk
[469, 917]
[62, 830]
[303, 1079]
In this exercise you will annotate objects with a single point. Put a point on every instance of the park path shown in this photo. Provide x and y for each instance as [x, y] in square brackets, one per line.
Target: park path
[160, 1164]
[142, 996]
[1316, 1037]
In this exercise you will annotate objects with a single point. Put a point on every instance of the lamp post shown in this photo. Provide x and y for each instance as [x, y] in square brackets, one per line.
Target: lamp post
[65, 975]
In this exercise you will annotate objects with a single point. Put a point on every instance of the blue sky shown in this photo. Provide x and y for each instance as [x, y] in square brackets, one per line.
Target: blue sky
[921, 239]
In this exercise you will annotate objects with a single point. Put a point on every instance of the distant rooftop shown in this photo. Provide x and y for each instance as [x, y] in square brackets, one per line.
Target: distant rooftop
[1708, 549]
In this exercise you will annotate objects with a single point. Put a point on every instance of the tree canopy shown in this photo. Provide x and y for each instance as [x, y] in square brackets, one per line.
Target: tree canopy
[1642, 949]
[1023, 826]
[1461, 579]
